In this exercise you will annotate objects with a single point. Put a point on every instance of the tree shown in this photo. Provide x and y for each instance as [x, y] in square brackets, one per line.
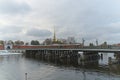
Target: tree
[91, 44]
[47, 42]
[35, 42]
[26, 43]
[19, 42]
[105, 43]
[1, 42]
[10, 42]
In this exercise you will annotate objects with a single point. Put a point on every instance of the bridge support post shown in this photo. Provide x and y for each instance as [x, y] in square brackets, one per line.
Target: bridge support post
[117, 55]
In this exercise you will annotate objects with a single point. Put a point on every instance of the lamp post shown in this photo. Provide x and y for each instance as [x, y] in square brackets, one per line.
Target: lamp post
[83, 41]
[25, 76]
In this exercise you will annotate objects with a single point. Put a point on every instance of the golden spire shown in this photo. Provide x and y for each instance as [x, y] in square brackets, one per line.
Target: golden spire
[54, 37]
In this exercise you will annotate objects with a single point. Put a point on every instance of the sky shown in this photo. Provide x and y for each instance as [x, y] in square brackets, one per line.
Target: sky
[35, 20]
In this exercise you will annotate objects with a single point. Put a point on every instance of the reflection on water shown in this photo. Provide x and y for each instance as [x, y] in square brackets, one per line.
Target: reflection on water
[104, 60]
[14, 67]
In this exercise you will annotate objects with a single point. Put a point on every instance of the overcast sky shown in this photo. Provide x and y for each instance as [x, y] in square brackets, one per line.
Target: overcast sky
[35, 19]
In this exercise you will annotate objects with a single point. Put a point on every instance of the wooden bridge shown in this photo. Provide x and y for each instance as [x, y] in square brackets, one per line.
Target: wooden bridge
[81, 49]
[72, 54]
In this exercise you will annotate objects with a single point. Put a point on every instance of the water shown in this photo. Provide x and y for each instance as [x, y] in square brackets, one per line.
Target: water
[14, 67]
[104, 61]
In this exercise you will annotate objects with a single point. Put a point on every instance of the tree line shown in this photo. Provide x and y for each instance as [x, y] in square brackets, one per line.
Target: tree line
[19, 42]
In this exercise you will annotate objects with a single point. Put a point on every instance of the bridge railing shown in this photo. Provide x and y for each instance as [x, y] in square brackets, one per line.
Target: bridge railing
[73, 47]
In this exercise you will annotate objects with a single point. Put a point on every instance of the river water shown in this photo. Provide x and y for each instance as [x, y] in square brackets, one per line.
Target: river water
[14, 67]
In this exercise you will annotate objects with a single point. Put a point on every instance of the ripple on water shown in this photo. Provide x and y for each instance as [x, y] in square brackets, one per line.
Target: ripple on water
[14, 67]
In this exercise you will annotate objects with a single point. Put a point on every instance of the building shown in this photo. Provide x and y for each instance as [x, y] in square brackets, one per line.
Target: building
[8, 45]
[55, 41]
[71, 40]
[63, 41]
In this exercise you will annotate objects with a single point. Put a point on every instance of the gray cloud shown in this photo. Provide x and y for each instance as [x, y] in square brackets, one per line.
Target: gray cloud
[89, 19]
[12, 7]
[10, 29]
[38, 33]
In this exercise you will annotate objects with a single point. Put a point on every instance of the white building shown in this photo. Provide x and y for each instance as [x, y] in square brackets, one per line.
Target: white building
[8, 45]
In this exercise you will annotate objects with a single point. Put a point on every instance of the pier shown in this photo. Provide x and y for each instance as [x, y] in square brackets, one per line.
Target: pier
[71, 56]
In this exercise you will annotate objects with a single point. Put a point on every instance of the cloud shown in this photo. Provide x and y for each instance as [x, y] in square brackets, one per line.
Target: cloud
[34, 32]
[10, 29]
[11, 32]
[13, 7]
[88, 19]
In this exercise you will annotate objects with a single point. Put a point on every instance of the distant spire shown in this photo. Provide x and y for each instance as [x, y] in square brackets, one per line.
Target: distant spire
[54, 37]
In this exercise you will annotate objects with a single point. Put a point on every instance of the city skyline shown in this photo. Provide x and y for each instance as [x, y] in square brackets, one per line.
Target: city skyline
[35, 20]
